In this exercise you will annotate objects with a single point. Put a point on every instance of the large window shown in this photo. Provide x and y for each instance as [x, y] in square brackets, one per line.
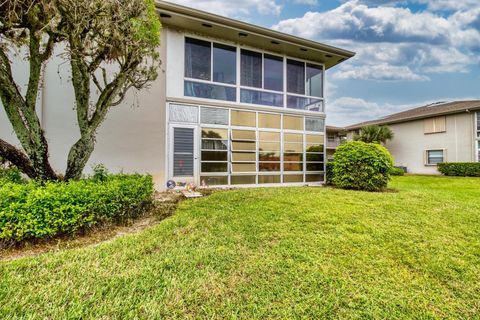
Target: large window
[265, 79]
[253, 147]
[208, 63]
[434, 157]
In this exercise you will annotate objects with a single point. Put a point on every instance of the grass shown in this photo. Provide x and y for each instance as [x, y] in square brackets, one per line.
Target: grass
[274, 253]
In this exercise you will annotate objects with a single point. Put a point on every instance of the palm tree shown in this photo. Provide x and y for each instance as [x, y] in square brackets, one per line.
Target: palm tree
[374, 134]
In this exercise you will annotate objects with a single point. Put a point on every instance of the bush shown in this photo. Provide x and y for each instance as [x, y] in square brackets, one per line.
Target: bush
[31, 210]
[10, 174]
[329, 173]
[397, 172]
[460, 169]
[362, 166]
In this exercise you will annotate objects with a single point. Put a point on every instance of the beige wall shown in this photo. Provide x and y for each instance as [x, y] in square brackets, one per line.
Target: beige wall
[131, 139]
[410, 143]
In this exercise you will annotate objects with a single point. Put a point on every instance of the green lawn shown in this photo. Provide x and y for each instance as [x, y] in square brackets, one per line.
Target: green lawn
[274, 253]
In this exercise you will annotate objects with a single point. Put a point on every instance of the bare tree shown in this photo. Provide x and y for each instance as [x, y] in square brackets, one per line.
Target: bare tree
[119, 34]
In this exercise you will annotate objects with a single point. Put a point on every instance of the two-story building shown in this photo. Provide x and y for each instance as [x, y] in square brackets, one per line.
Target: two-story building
[428, 135]
[234, 104]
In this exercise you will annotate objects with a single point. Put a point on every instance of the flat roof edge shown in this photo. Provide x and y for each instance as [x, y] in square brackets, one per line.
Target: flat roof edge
[243, 26]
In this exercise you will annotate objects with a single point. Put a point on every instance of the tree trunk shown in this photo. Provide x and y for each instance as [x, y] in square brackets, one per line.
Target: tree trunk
[17, 158]
[78, 157]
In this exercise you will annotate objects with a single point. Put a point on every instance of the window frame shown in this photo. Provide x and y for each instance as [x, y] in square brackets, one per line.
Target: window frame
[239, 86]
[427, 158]
[280, 131]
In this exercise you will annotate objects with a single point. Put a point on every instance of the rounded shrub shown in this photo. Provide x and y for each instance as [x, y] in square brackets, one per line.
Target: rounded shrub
[362, 166]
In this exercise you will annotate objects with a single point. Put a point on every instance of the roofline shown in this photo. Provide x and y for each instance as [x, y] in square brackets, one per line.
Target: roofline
[247, 27]
[425, 116]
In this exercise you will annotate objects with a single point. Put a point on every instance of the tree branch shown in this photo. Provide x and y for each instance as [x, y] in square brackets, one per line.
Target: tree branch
[17, 158]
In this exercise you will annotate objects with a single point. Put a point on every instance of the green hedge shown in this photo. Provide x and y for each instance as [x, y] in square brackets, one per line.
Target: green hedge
[461, 169]
[397, 172]
[361, 166]
[33, 211]
[10, 174]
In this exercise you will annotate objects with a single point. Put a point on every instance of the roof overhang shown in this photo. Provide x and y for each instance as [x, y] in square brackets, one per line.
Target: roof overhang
[212, 25]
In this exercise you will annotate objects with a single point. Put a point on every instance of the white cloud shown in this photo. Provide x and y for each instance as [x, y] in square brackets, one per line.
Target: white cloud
[381, 72]
[346, 111]
[307, 2]
[393, 43]
[234, 8]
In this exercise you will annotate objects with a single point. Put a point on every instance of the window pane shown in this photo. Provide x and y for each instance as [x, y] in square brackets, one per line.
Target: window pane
[244, 156]
[269, 156]
[318, 139]
[244, 167]
[214, 116]
[293, 166]
[214, 166]
[213, 133]
[181, 113]
[251, 69]
[293, 137]
[243, 146]
[214, 155]
[295, 76]
[293, 157]
[209, 91]
[314, 80]
[261, 97]
[269, 146]
[197, 59]
[243, 118]
[301, 103]
[293, 178]
[314, 124]
[269, 166]
[292, 123]
[224, 63]
[435, 156]
[214, 144]
[243, 179]
[243, 135]
[315, 148]
[315, 166]
[315, 157]
[269, 136]
[267, 120]
[268, 179]
[273, 68]
[315, 177]
[214, 180]
[293, 147]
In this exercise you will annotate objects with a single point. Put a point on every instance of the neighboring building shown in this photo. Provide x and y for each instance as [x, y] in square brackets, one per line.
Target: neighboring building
[234, 104]
[335, 136]
[425, 136]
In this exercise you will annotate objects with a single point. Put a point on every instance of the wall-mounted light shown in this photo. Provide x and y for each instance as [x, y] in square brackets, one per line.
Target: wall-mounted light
[206, 25]
[275, 42]
[303, 49]
[328, 56]
[242, 34]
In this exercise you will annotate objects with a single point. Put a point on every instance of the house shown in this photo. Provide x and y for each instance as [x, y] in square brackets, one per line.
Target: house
[335, 136]
[234, 104]
[428, 135]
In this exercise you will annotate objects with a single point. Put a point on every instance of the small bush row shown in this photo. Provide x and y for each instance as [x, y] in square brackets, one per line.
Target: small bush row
[460, 169]
[33, 211]
[397, 171]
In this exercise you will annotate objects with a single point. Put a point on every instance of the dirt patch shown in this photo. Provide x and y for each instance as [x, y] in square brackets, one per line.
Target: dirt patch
[165, 204]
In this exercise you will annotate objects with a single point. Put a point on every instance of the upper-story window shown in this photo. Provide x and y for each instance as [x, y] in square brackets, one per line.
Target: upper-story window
[210, 63]
[262, 71]
[265, 79]
[435, 125]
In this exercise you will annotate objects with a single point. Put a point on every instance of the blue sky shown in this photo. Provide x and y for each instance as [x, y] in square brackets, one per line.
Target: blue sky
[409, 52]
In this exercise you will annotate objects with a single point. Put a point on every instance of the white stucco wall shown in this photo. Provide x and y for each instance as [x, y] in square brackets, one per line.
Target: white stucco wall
[131, 139]
[410, 143]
